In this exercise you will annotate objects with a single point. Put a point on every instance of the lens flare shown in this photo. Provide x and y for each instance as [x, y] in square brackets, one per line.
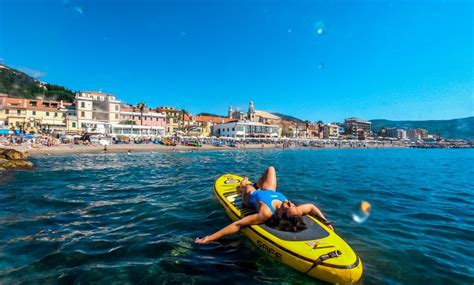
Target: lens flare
[362, 212]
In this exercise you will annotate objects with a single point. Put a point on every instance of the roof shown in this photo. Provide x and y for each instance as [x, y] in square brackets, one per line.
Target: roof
[41, 105]
[96, 92]
[213, 119]
[167, 109]
[266, 115]
[287, 123]
[14, 102]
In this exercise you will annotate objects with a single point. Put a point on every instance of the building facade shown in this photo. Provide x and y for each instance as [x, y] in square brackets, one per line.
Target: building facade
[135, 123]
[202, 125]
[288, 129]
[246, 129]
[417, 134]
[35, 116]
[173, 119]
[96, 111]
[357, 128]
[395, 133]
[254, 115]
[330, 131]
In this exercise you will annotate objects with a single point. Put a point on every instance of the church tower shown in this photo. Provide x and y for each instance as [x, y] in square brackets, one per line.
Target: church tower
[230, 112]
[251, 112]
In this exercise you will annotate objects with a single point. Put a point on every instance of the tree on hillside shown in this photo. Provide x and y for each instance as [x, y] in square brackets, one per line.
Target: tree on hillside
[141, 106]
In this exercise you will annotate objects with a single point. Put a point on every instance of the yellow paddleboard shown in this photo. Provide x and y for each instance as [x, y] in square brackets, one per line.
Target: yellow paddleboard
[316, 251]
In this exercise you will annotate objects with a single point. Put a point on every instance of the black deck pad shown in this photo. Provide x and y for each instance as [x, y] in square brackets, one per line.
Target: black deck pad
[314, 230]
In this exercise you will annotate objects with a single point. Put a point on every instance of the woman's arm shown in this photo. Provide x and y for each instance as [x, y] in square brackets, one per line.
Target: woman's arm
[236, 226]
[315, 212]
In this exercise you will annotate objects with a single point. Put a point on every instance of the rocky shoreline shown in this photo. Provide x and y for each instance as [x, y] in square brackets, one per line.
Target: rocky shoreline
[14, 159]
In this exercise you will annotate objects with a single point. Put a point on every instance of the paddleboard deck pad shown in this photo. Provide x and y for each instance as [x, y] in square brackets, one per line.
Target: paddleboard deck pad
[316, 251]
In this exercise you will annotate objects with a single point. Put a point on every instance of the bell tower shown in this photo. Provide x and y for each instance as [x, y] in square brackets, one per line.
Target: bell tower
[251, 112]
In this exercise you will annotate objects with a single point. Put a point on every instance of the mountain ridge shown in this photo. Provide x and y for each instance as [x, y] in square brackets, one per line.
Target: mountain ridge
[461, 128]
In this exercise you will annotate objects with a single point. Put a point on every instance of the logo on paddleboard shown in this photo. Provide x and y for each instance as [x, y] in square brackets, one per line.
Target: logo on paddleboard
[269, 250]
[231, 180]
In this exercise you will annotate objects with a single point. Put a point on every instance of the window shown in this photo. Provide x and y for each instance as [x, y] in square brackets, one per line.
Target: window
[55, 114]
[233, 129]
[116, 107]
[18, 112]
[34, 113]
[47, 114]
[83, 114]
[73, 124]
[116, 116]
[7, 111]
[83, 105]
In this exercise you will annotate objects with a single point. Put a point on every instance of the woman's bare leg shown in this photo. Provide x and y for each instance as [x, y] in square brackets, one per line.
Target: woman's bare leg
[268, 181]
[245, 189]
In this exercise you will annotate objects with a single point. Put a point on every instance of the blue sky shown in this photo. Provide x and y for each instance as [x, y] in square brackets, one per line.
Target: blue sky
[316, 60]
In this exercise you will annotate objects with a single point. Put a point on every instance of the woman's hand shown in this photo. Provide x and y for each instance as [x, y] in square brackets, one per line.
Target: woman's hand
[202, 240]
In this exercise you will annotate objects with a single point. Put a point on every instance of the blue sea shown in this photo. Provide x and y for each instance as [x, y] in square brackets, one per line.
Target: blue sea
[132, 219]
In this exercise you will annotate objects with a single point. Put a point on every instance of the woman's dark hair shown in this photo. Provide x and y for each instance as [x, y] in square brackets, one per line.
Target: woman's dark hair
[288, 224]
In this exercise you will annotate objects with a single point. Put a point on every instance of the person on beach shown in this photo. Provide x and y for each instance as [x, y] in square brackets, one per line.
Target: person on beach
[272, 208]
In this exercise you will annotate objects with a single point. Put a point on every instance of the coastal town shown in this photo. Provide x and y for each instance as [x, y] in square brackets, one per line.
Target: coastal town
[95, 117]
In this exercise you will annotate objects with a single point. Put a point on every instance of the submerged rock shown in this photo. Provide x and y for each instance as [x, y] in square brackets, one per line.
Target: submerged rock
[17, 164]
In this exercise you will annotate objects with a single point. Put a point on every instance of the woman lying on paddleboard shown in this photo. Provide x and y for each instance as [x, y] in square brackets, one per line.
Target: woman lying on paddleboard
[271, 207]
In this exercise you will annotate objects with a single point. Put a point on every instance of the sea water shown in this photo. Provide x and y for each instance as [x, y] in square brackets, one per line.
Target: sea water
[121, 218]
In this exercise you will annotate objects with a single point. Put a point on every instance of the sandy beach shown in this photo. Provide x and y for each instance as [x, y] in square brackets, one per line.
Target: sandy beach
[65, 149]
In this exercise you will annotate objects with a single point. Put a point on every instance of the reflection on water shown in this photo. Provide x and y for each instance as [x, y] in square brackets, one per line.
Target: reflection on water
[133, 218]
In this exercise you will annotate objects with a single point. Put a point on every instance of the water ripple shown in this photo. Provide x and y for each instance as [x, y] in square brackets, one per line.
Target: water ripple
[132, 219]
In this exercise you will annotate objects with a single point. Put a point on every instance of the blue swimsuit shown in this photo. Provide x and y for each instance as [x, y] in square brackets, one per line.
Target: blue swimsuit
[266, 196]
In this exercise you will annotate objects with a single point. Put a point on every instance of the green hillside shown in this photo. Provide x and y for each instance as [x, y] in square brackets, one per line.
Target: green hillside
[210, 114]
[288, 118]
[456, 128]
[19, 84]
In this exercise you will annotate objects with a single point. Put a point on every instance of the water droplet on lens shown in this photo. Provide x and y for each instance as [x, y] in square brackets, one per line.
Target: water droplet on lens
[319, 27]
[361, 212]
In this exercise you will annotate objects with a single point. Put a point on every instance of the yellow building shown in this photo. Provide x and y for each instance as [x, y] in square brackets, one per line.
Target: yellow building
[13, 112]
[35, 116]
[173, 119]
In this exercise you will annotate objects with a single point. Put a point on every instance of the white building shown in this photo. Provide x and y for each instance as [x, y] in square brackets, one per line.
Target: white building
[97, 111]
[396, 133]
[137, 131]
[245, 129]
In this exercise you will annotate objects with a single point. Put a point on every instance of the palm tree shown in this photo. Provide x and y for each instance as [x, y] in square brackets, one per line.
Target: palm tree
[141, 106]
[306, 123]
[183, 113]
